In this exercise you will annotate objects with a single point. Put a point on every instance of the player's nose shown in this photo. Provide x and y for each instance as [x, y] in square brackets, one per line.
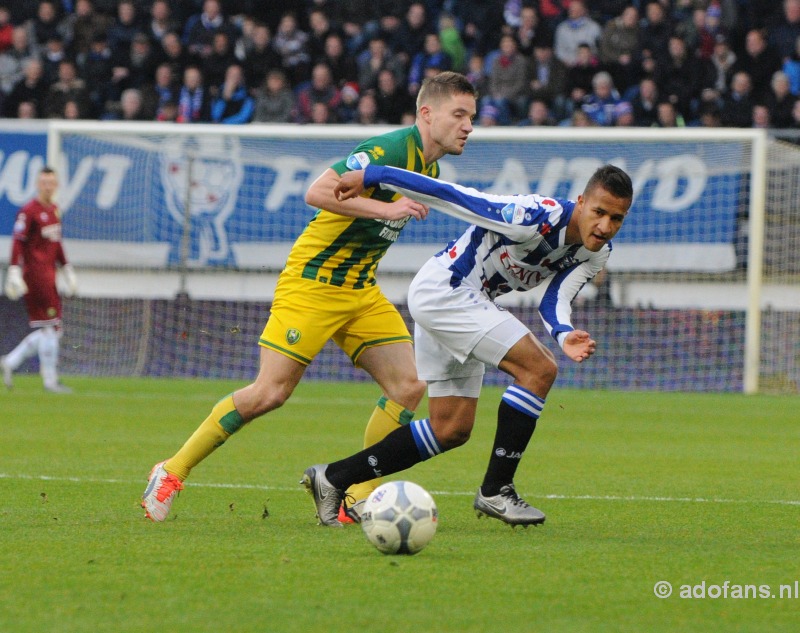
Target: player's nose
[605, 226]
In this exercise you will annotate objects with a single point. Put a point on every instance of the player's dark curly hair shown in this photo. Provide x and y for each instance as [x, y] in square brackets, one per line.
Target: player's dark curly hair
[612, 179]
[445, 84]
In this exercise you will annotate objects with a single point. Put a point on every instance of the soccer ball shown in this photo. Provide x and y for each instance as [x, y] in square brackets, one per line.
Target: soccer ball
[399, 517]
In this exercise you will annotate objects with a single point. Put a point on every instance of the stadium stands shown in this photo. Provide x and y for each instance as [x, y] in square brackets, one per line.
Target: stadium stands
[717, 62]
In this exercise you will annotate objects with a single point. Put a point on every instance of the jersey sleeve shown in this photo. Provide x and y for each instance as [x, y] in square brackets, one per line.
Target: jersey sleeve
[19, 235]
[516, 216]
[61, 257]
[373, 151]
[555, 308]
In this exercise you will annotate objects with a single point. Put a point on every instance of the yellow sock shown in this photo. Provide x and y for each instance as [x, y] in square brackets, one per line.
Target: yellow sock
[223, 422]
[387, 416]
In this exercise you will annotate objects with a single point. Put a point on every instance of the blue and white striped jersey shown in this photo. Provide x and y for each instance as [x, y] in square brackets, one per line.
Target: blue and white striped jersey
[516, 242]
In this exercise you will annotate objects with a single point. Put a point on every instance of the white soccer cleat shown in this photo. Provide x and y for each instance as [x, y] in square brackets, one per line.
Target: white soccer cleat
[160, 492]
[8, 381]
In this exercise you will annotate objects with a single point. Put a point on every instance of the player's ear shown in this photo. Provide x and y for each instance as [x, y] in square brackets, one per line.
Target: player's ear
[424, 113]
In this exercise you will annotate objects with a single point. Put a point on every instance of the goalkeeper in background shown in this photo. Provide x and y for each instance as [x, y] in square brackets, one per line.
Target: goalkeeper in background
[328, 291]
[36, 253]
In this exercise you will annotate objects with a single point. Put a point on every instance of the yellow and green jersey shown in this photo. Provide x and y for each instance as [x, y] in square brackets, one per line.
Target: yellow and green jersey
[344, 251]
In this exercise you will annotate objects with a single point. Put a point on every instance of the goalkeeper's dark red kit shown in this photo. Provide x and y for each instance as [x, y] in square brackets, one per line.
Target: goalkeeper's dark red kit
[36, 248]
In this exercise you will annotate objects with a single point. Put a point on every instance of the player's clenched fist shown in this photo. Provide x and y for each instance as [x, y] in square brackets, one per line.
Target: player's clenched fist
[350, 185]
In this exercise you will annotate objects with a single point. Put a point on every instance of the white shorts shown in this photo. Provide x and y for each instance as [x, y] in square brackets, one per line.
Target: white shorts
[457, 332]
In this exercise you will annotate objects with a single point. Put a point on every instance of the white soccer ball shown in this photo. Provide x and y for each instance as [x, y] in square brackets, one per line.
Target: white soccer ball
[399, 517]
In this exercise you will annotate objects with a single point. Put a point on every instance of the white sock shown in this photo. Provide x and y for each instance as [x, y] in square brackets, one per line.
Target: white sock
[48, 356]
[28, 347]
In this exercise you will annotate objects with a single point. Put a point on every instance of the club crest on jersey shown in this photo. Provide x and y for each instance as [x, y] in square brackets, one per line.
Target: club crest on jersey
[359, 160]
[376, 152]
[292, 335]
[513, 213]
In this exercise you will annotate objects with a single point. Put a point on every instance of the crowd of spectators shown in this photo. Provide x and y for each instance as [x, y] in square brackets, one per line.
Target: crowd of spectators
[662, 63]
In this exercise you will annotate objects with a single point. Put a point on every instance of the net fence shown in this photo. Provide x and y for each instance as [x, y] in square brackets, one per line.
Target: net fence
[178, 236]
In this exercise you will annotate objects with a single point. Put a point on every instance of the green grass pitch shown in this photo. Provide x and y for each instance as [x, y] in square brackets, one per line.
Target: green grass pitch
[697, 490]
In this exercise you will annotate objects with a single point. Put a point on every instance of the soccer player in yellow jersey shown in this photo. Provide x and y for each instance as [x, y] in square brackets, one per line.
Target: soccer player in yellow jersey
[328, 291]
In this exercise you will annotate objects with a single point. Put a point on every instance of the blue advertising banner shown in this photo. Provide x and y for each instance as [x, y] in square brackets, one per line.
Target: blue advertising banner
[238, 202]
[22, 155]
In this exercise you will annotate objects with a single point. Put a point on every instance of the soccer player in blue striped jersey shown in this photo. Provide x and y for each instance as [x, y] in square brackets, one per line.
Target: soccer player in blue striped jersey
[516, 242]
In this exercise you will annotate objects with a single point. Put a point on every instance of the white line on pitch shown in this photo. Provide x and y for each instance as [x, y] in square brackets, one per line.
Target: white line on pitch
[784, 502]
[197, 397]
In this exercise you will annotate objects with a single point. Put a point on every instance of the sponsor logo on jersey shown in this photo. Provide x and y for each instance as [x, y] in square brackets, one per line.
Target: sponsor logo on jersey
[513, 213]
[395, 224]
[390, 235]
[392, 229]
[292, 335]
[52, 232]
[359, 160]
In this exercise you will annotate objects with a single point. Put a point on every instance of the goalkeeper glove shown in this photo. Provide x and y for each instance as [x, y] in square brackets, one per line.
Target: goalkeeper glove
[68, 282]
[15, 285]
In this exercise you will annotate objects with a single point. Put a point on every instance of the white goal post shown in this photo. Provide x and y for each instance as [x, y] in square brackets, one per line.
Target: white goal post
[155, 210]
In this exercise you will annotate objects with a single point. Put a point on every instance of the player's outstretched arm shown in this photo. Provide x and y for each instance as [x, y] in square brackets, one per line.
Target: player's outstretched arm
[515, 216]
[579, 346]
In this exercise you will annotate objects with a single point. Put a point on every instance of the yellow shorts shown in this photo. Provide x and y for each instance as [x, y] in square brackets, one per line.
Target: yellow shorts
[306, 314]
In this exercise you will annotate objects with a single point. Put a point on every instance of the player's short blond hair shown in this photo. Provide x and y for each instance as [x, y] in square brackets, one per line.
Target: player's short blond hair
[444, 85]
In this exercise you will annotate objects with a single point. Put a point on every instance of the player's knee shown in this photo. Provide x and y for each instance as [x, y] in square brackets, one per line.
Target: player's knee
[418, 390]
[549, 371]
[270, 398]
[454, 436]
[452, 432]
[539, 377]
[409, 393]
